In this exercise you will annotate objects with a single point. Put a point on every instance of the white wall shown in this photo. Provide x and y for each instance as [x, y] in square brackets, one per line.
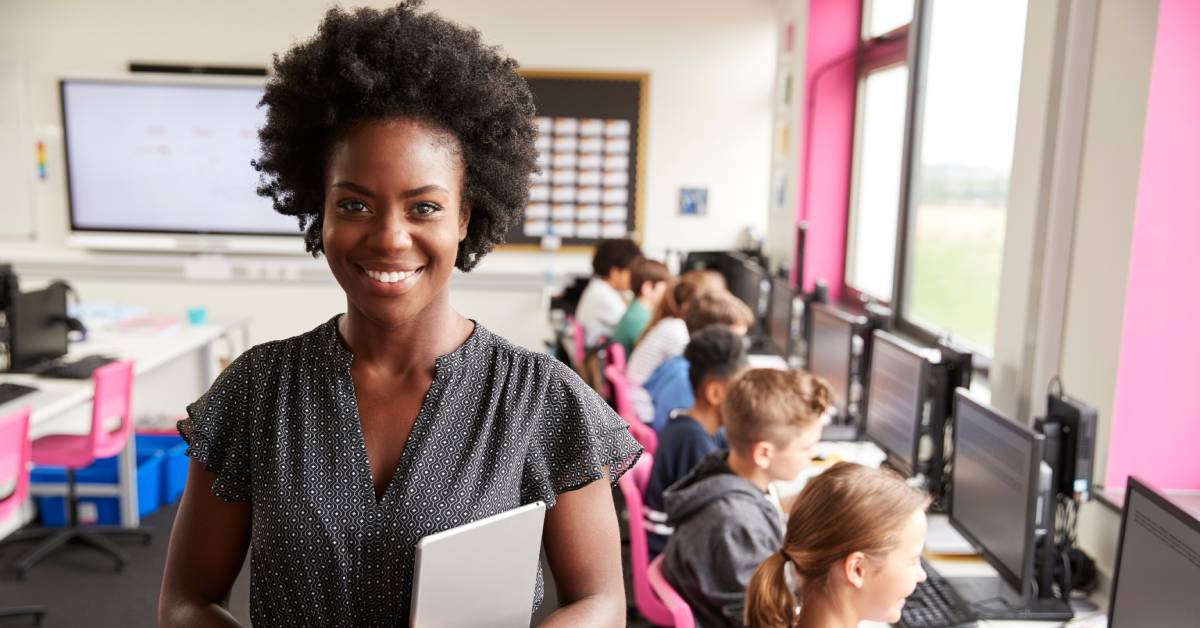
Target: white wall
[711, 66]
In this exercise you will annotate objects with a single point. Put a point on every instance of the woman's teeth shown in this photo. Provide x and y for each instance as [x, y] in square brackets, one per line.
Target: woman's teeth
[390, 277]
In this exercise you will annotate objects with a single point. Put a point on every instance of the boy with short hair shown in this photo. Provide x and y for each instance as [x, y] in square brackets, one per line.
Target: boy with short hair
[725, 515]
[603, 303]
[714, 357]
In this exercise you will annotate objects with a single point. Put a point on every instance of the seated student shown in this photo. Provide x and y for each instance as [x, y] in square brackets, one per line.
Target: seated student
[668, 387]
[667, 334]
[725, 514]
[714, 356]
[852, 547]
[650, 280]
[601, 305]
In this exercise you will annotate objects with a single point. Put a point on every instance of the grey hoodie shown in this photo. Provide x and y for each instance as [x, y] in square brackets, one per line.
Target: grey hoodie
[725, 527]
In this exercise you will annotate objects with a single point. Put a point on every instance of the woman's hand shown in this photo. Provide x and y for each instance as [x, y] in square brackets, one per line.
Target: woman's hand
[208, 547]
[583, 547]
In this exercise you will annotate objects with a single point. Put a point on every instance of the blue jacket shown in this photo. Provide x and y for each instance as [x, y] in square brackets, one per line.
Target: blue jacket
[669, 388]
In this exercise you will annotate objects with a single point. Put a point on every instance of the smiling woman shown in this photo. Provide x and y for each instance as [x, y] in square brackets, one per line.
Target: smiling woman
[403, 145]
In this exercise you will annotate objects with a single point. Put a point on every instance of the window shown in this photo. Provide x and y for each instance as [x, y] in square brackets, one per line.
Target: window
[875, 184]
[961, 169]
[884, 16]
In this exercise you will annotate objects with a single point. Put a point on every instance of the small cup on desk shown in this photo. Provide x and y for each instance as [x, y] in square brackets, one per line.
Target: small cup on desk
[198, 315]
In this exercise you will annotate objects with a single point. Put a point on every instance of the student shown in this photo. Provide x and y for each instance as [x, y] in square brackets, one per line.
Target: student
[852, 553]
[714, 356]
[404, 144]
[602, 303]
[725, 513]
[650, 281]
[667, 334]
[668, 387]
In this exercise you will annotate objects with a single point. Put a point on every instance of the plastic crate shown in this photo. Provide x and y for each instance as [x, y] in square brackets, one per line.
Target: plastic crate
[175, 465]
[101, 510]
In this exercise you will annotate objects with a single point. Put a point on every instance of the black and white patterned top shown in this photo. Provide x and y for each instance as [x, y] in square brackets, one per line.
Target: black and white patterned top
[500, 426]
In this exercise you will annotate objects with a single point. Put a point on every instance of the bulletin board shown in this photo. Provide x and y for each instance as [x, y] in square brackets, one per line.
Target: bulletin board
[591, 153]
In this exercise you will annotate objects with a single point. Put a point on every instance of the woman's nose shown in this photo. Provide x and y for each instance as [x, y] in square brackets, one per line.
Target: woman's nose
[393, 232]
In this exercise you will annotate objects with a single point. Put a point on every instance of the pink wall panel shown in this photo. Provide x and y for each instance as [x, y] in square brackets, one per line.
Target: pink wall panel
[827, 138]
[1156, 415]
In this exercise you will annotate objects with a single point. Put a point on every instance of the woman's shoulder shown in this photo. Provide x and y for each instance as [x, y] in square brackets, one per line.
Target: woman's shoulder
[320, 340]
[521, 361]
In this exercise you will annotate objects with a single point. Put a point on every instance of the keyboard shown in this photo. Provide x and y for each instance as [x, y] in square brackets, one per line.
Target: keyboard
[935, 604]
[10, 391]
[79, 369]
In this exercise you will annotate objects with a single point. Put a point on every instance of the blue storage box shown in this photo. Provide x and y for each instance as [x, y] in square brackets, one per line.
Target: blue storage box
[175, 465]
[104, 471]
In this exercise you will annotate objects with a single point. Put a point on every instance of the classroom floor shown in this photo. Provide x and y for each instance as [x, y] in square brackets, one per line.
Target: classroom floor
[80, 587]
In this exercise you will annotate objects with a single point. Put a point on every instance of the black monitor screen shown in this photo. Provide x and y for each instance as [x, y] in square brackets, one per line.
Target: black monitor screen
[994, 487]
[829, 353]
[745, 278]
[38, 328]
[1158, 563]
[896, 401]
[780, 321]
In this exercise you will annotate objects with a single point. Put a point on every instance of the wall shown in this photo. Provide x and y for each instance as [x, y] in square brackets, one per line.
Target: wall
[1156, 413]
[1112, 158]
[712, 67]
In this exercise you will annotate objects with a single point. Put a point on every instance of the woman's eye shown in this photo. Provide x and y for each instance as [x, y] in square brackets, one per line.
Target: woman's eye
[426, 209]
[353, 207]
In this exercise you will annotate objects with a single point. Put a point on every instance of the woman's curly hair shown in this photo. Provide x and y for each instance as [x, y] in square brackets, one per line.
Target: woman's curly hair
[372, 64]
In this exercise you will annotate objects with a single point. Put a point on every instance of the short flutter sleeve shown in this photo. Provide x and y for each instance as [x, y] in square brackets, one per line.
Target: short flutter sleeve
[578, 437]
[218, 430]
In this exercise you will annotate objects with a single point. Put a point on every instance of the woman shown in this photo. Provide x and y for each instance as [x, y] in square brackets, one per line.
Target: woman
[851, 553]
[404, 145]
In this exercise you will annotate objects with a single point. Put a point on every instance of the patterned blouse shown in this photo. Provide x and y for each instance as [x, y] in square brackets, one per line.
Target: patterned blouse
[500, 426]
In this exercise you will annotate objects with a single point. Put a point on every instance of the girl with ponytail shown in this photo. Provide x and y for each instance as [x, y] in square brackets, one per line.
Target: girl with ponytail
[851, 553]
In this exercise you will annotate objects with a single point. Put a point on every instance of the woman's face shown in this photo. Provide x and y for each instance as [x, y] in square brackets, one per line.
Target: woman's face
[890, 581]
[393, 216]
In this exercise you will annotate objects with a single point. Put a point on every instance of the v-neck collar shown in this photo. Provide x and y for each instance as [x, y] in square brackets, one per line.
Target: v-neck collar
[444, 366]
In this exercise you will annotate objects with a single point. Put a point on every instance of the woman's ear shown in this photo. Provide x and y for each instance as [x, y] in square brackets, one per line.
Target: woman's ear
[464, 220]
[854, 567]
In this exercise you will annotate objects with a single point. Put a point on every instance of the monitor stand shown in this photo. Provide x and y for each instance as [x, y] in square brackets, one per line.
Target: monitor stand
[990, 597]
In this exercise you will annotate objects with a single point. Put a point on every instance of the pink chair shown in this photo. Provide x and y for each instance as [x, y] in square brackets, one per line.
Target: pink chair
[643, 433]
[652, 606]
[616, 356]
[579, 342]
[111, 428]
[14, 472]
[681, 613]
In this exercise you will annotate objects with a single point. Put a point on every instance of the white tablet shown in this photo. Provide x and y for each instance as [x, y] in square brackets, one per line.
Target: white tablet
[479, 574]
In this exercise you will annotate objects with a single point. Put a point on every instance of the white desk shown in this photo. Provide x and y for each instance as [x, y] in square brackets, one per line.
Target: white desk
[172, 367]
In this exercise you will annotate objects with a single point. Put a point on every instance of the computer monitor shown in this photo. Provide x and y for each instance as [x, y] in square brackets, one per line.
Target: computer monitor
[779, 319]
[830, 349]
[1071, 425]
[749, 282]
[1158, 562]
[897, 385]
[37, 327]
[995, 488]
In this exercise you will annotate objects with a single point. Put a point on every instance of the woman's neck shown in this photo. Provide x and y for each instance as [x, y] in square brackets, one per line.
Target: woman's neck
[821, 611]
[412, 345]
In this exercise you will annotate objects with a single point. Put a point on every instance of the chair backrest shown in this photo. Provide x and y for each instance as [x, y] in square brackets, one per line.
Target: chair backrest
[14, 461]
[111, 407]
[640, 473]
[681, 613]
[648, 604]
[643, 433]
[616, 356]
[580, 344]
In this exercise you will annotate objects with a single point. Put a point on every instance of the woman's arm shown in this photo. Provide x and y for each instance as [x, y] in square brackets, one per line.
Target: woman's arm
[583, 547]
[207, 550]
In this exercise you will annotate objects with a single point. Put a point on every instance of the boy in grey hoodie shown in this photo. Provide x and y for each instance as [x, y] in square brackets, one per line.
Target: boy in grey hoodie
[726, 516]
